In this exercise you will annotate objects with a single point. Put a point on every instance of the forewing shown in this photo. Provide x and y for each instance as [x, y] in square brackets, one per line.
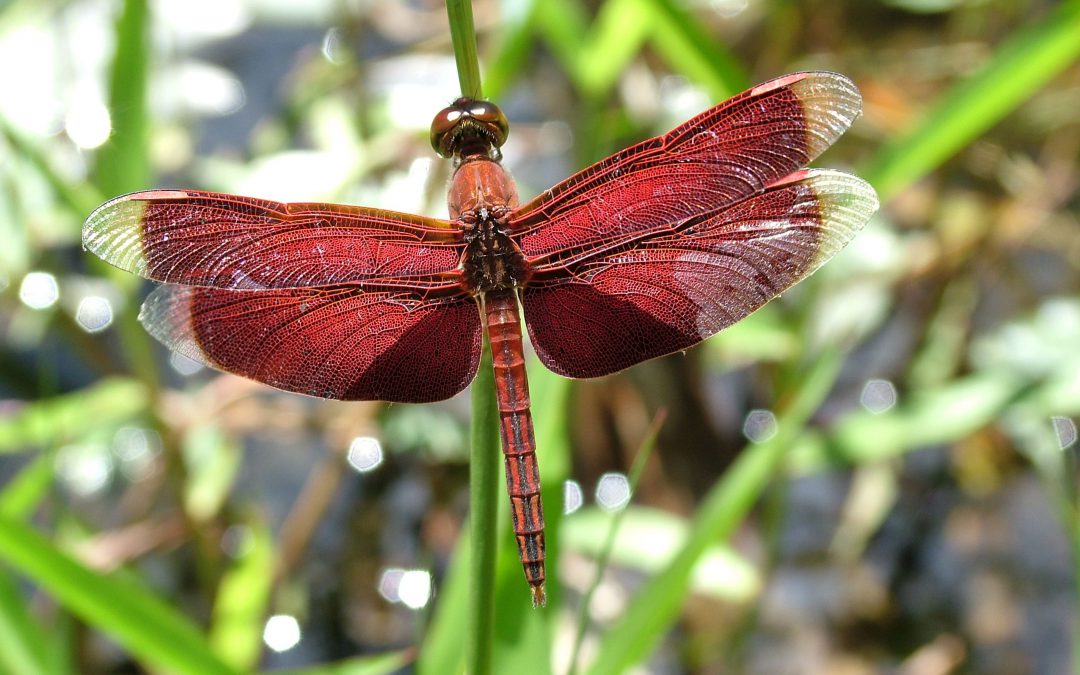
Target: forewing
[666, 293]
[225, 241]
[337, 343]
[723, 155]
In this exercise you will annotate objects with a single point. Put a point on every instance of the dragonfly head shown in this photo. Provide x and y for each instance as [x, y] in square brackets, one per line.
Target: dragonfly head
[468, 128]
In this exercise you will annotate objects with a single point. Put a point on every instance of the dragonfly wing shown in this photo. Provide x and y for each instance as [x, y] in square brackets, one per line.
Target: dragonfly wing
[718, 158]
[672, 290]
[211, 239]
[336, 342]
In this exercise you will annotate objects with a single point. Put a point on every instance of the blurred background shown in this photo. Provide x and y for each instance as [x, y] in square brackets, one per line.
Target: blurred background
[874, 474]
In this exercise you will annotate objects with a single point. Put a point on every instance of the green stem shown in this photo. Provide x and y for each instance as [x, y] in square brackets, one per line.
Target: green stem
[484, 491]
[463, 35]
[484, 453]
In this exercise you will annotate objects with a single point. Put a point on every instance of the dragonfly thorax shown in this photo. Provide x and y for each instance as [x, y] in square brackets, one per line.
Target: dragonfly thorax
[482, 196]
[492, 261]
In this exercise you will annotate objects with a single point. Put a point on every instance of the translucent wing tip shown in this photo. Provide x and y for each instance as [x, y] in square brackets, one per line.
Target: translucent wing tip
[114, 230]
[846, 204]
[166, 315]
[830, 102]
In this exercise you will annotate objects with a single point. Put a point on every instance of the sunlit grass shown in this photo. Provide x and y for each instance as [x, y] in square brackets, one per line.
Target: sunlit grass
[593, 53]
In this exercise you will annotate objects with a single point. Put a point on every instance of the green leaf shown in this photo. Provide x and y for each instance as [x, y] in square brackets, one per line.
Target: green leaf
[615, 38]
[212, 459]
[77, 196]
[25, 491]
[1023, 64]
[937, 416]
[118, 605]
[69, 416]
[689, 50]
[443, 649]
[648, 539]
[242, 598]
[23, 645]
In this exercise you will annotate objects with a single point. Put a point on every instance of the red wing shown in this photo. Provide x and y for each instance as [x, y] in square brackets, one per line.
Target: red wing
[211, 239]
[721, 156]
[668, 292]
[336, 342]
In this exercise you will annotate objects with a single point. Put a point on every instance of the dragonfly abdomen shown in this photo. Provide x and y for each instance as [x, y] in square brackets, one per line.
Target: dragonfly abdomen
[518, 440]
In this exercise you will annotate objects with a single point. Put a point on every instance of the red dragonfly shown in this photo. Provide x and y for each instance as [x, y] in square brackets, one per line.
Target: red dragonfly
[646, 253]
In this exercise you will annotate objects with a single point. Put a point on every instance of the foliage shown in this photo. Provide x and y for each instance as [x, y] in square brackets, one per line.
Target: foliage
[149, 508]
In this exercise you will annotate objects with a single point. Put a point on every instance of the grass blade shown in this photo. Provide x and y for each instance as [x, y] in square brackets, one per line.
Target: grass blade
[73, 415]
[123, 162]
[242, 598]
[1018, 68]
[642, 456]
[657, 605]
[24, 492]
[688, 49]
[154, 632]
[23, 646]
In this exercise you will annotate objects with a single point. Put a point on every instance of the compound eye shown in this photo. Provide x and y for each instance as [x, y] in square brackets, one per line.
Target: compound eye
[492, 117]
[443, 128]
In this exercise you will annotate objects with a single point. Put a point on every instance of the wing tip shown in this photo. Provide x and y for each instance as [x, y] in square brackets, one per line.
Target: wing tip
[830, 103]
[114, 230]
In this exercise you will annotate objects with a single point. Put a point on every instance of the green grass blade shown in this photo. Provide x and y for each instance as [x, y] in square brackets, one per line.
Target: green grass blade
[71, 415]
[443, 649]
[78, 197]
[484, 458]
[24, 492]
[1023, 64]
[23, 645]
[937, 416]
[154, 632]
[242, 598]
[123, 162]
[564, 27]
[513, 52]
[602, 559]
[616, 37]
[689, 50]
[657, 605]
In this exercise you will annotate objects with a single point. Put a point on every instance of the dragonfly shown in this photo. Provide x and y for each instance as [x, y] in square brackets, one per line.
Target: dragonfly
[643, 254]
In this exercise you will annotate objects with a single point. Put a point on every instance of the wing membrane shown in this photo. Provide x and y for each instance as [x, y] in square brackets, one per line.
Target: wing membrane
[224, 241]
[718, 158]
[668, 292]
[337, 343]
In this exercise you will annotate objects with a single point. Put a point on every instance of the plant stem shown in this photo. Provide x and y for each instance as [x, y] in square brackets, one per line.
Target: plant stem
[484, 451]
[483, 491]
[463, 35]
